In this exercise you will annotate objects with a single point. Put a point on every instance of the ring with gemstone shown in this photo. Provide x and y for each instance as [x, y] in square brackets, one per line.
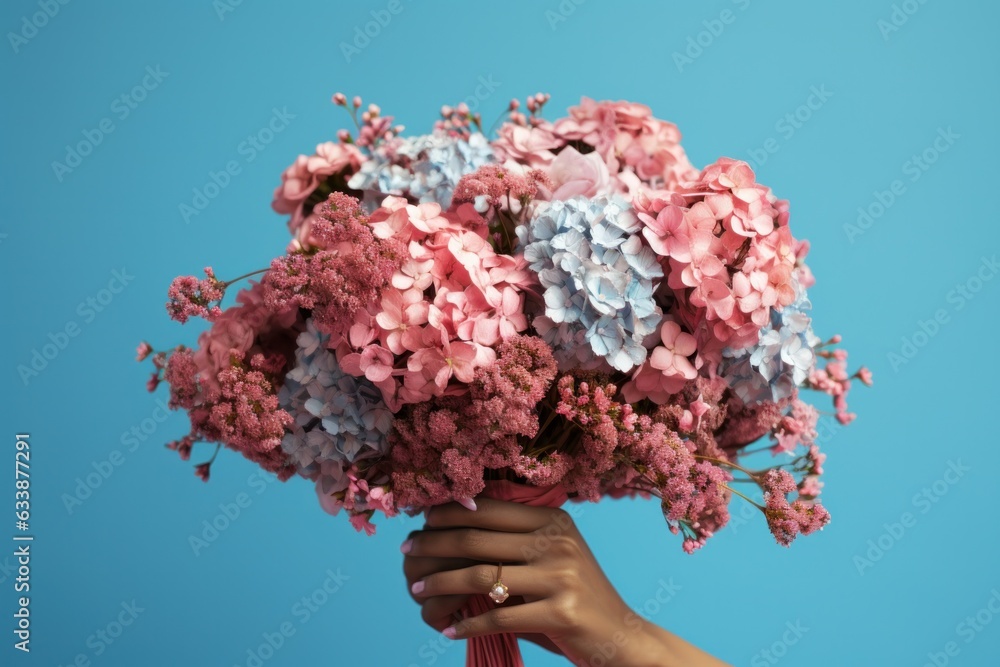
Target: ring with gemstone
[498, 592]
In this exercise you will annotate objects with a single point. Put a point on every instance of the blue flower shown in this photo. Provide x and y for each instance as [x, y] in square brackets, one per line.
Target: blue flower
[782, 358]
[599, 279]
[338, 418]
[426, 167]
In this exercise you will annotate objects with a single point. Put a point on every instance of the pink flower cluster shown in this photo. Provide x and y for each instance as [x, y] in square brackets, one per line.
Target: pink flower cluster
[787, 520]
[443, 446]
[446, 308]
[191, 297]
[345, 268]
[245, 414]
[643, 453]
[307, 174]
[728, 257]
[633, 150]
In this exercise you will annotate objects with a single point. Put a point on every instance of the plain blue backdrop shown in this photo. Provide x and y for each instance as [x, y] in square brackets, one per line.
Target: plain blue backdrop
[890, 109]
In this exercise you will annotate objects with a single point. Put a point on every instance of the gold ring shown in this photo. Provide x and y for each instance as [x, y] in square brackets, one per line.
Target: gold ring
[498, 592]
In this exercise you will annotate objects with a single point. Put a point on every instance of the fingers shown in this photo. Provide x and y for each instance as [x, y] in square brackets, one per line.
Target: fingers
[533, 617]
[521, 580]
[415, 568]
[471, 543]
[442, 611]
[492, 515]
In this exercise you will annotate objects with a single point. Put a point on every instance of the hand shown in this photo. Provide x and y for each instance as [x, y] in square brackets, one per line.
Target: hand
[560, 598]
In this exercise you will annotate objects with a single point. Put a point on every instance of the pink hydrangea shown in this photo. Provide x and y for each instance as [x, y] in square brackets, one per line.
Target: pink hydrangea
[630, 140]
[304, 176]
[532, 146]
[727, 255]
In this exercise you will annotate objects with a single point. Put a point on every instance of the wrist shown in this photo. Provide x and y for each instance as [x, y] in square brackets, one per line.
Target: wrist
[656, 647]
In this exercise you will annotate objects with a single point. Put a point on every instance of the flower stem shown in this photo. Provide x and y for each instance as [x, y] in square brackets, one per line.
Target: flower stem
[728, 464]
[245, 275]
[746, 498]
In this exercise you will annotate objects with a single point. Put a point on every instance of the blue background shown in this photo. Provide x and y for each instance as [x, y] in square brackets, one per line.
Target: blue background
[862, 592]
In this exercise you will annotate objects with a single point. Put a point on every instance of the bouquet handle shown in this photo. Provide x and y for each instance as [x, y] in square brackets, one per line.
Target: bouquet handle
[502, 650]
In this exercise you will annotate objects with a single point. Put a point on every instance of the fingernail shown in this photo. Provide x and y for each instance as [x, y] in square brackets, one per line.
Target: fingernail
[468, 503]
[418, 587]
[406, 546]
[450, 632]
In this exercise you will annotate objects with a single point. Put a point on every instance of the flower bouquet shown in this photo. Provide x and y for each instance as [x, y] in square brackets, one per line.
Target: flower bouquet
[567, 305]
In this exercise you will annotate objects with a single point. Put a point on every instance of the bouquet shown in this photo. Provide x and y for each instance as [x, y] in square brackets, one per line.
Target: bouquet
[567, 304]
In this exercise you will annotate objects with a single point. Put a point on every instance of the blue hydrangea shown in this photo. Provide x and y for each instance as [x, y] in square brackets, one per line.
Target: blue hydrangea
[436, 163]
[338, 418]
[782, 359]
[598, 278]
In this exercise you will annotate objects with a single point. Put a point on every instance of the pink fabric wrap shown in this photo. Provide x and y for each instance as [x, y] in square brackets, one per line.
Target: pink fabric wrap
[502, 650]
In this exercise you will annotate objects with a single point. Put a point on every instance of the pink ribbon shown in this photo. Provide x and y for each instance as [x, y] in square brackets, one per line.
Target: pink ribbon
[502, 650]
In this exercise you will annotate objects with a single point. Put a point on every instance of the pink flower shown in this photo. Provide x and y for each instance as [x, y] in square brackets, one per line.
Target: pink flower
[671, 358]
[632, 143]
[374, 362]
[509, 309]
[304, 175]
[716, 296]
[573, 173]
[345, 276]
[181, 373]
[238, 327]
[865, 376]
[403, 312]
[786, 520]
[667, 231]
[246, 415]
[202, 470]
[182, 447]
[399, 219]
[846, 418]
[143, 351]
[190, 297]
[363, 522]
[530, 146]
[453, 359]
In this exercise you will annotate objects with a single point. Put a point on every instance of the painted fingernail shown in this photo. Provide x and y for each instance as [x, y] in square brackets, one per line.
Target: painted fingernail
[450, 632]
[418, 587]
[468, 503]
[406, 546]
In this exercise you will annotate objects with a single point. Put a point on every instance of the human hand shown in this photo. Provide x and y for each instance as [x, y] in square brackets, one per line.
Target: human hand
[560, 597]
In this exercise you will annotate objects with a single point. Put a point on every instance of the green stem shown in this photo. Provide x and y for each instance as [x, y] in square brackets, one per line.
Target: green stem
[245, 275]
[746, 498]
